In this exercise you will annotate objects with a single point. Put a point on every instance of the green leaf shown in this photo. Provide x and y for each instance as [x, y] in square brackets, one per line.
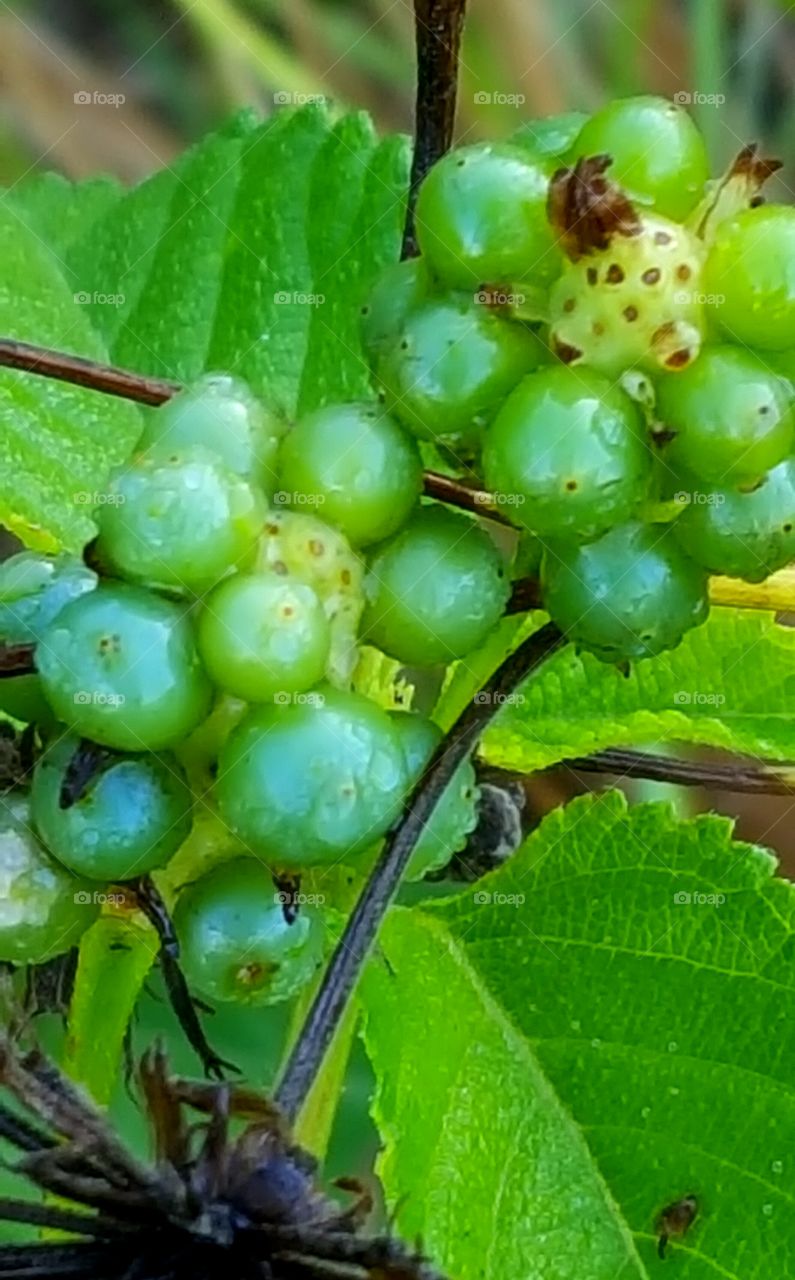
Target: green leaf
[160, 250]
[116, 954]
[382, 680]
[603, 1047]
[60, 212]
[730, 684]
[57, 442]
[253, 253]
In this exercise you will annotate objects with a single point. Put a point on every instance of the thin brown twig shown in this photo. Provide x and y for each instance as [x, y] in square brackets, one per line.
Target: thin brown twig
[106, 378]
[467, 497]
[771, 777]
[439, 26]
[774, 778]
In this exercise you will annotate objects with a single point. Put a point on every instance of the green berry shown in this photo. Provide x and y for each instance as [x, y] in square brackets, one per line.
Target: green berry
[179, 520]
[659, 156]
[133, 816]
[453, 365]
[237, 941]
[397, 292]
[357, 465]
[553, 136]
[311, 781]
[120, 666]
[637, 303]
[455, 815]
[741, 534]
[435, 590]
[631, 594]
[44, 910]
[733, 417]
[566, 454]
[749, 277]
[261, 634]
[482, 217]
[33, 590]
[219, 413]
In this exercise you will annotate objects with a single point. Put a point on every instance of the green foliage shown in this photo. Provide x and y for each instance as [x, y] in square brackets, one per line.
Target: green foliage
[252, 253]
[57, 442]
[60, 213]
[730, 684]
[606, 1005]
[218, 255]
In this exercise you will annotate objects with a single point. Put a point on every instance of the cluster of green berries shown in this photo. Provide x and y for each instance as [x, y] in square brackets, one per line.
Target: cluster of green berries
[232, 587]
[605, 339]
[593, 332]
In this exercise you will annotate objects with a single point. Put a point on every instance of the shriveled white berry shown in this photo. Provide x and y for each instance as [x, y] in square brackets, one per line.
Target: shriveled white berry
[635, 304]
[311, 551]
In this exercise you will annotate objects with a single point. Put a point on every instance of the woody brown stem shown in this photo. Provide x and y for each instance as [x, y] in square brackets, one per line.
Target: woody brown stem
[439, 26]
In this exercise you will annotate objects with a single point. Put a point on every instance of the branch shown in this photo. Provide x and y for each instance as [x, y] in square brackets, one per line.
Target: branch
[776, 592]
[439, 25]
[774, 779]
[85, 373]
[353, 948]
[468, 498]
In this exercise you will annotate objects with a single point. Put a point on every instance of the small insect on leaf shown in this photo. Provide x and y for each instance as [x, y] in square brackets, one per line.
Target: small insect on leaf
[675, 1221]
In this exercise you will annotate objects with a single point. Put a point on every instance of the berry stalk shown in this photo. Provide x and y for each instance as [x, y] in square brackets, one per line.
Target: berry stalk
[353, 948]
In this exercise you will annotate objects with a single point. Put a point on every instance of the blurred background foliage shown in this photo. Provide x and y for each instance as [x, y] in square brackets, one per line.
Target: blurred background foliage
[184, 64]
